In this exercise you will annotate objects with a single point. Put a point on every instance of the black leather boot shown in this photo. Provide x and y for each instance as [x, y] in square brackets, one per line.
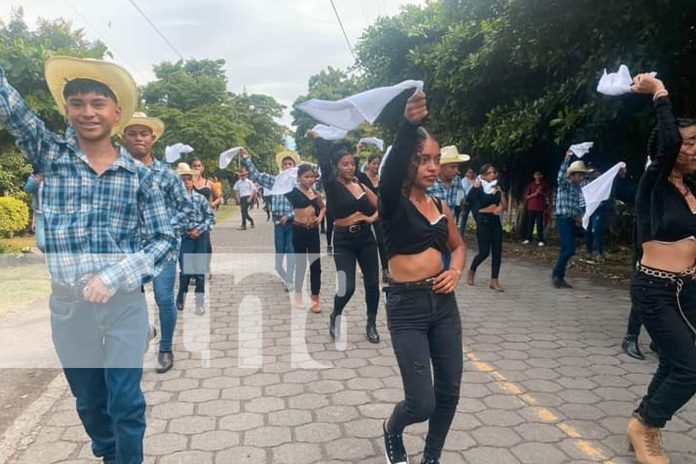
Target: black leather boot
[165, 359]
[631, 348]
[371, 329]
[429, 460]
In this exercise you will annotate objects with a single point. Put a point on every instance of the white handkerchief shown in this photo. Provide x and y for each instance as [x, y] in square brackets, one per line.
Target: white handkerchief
[348, 113]
[598, 191]
[384, 158]
[617, 83]
[227, 156]
[581, 149]
[379, 143]
[173, 152]
[329, 132]
[285, 182]
[488, 187]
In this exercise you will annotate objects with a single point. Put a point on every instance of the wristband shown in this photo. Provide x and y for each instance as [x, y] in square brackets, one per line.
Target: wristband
[660, 93]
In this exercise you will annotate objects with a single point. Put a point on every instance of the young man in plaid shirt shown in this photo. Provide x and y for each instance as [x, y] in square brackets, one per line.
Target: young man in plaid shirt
[568, 213]
[107, 232]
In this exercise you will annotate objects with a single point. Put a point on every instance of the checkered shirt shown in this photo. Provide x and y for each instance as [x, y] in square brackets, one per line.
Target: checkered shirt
[115, 224]
[280, 205]
[568, 194]
[203, 217]
[452, 196]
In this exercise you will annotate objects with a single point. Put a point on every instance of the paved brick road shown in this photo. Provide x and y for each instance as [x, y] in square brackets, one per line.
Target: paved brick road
[545, 381]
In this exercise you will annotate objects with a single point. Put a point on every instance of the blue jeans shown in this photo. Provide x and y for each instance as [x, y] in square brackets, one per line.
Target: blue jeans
[163, 286]
[566, 232]
[594, 233]
[193, 262]
[283, 248]
[100, 347]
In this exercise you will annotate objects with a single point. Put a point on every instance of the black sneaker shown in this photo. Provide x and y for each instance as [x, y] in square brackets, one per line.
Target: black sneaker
[429, 460]
[561, 283]
[394, 447]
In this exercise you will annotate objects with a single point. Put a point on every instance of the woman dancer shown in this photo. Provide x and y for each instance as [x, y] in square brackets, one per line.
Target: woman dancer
[309, 212]
[354, 208]
[489, 204]
[663, 287]
[422, 311]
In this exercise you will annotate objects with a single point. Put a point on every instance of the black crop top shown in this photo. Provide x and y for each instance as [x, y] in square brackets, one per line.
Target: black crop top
[406, 230]
[662, 213]
[340, 202]
[480, 199]
[299, 200]
[207, 192]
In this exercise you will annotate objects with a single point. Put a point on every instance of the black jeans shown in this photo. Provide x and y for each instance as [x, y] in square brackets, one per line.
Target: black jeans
[674, 383]
[634, 322]
[535, 217]
[349, 248]
[426, 328]
[329, 228]
[379, 235]
[489, 235]
[244, 205]
[306, 245]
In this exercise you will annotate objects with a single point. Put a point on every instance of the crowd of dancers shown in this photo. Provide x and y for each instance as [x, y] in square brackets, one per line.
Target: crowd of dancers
[115, 218]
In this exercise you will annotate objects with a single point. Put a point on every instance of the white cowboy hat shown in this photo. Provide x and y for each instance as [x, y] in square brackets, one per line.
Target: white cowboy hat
[286, 154]
[139, 118]
[59, 70]
[578, 166]
[183, 169]
[450, 154]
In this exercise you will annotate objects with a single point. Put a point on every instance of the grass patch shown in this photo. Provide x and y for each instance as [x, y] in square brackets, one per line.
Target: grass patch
[225, 212]
[22, 285]
[17, 244]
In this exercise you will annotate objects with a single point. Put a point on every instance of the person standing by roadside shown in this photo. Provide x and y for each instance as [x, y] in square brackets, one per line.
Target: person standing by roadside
[422, 312]
[282, 212]
[139, 136]
[244, 188]
[568, 214]
[537, 199]
[107, 233]
[467, 184]
[193, 257]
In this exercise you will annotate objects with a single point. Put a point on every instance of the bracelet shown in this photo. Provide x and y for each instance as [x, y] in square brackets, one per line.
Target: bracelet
[660, 93]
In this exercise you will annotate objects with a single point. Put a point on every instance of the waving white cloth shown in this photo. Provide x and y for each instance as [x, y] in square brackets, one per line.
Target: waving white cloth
[581, 149]
[384, 158]
[330, 132]
[598, 191]
[379, 143]
[285, 182]
[348, 113]
[616, 83]
[227, 156]
[488, 187]
[172, 153]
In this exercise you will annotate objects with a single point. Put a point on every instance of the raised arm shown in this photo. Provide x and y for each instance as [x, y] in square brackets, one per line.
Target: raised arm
[323, 151]
[563, 169]
[264, 179]
[30, 131]
[397, 161]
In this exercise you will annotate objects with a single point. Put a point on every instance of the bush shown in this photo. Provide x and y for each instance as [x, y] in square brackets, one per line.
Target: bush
[14, 216]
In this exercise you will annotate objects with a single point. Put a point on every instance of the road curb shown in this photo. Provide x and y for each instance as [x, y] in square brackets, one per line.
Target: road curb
[26, 423]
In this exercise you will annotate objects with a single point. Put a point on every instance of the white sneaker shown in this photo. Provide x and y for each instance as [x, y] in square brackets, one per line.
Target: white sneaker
[541, 244]
[526, 242]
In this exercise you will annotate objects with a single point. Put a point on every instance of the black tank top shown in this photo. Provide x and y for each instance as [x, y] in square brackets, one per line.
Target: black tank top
[205, 191]
[408, 232]
[299, 200]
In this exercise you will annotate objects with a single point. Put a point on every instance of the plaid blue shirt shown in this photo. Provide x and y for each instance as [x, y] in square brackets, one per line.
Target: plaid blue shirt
[280, 205]
[452, 196]
[568, 194]
[203, 217]
[114, 225]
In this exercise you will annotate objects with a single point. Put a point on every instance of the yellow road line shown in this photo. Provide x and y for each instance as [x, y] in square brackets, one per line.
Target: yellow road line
[588, 448]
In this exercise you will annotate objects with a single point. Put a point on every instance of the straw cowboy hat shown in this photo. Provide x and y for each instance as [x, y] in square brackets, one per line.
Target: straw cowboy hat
[450, 155]
[139, 118]
[60, 70]
[183, 169]
[286, 154]
[578, 166]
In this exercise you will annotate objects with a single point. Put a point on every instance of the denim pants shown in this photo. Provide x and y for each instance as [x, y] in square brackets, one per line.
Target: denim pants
[283, 248]
[101, 347]
[535, 218]
[163, 286]
[594, 235]
[566, 232]
[426, 329]
[674, 383]
[193, 262]
[351, 248]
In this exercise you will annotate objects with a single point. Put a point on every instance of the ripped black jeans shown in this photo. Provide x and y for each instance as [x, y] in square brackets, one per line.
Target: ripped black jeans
[425, 328]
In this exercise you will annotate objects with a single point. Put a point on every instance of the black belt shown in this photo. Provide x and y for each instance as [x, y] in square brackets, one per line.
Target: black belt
[77, 292]
[424, 284]
[353, 229]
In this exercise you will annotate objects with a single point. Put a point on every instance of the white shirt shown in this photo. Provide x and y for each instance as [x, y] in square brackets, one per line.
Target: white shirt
[245, 187]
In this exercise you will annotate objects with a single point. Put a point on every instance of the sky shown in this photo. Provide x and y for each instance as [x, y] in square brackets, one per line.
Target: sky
[270, 47]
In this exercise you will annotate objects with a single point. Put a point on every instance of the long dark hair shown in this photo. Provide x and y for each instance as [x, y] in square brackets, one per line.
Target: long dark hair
[423, 134]
[654, 140]
[193, 160]
[303, 168]
[338, 156]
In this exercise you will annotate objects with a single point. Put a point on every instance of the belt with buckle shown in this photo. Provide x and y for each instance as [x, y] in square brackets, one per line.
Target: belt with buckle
[354, 228]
